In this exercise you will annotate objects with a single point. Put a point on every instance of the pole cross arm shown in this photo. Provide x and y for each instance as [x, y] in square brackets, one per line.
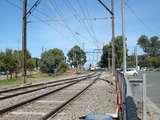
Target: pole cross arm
[105, 7]
[33, 7]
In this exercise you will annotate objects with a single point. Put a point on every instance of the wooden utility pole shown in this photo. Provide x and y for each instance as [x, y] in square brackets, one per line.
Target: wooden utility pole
[113, 40]
[24, 35]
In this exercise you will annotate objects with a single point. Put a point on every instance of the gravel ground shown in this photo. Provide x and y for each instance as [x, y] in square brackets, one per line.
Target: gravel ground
[99, 98]
[13, 100]
[29, 88]
[44, 105]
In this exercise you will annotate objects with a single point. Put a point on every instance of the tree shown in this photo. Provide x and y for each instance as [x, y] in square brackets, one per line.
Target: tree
[118, 53]
[51, 60]
[107, 49]
[131, 61]
[144, 43]
[9, 62]
[153, 62]
[150, 46]
[31, 63]
[17, 55]
[2, 64]
[154, 46]
[76, 56]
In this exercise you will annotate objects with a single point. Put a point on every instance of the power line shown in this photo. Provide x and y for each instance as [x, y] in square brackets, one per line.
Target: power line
[92, 33]
[60, 14]
[34, 6]
[38, 18]
[13, 4]
[91, 25]
[78, 17]
[105, 7]
[46, 22]
[138, 18]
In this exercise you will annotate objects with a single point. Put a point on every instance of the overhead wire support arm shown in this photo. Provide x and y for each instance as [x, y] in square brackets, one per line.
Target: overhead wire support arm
[105, 7]
[33, 7]
[113, 32]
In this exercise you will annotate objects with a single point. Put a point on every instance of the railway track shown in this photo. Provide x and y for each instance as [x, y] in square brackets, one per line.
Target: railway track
[55, 110]
[23, 105]
[12, 92]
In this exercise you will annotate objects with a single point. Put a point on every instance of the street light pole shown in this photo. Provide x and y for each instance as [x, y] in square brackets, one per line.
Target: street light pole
[123, 37]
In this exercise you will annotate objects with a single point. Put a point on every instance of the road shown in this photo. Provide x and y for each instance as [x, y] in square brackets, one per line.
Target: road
[153, 87]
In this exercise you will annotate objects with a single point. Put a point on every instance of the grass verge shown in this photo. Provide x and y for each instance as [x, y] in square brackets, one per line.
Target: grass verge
[31, 79]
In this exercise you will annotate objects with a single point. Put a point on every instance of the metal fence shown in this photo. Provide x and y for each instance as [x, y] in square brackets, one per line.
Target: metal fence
[131, 97]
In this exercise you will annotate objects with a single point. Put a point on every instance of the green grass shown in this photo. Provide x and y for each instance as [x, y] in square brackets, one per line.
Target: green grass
[32, 78]
[39, 75]
[14, 81]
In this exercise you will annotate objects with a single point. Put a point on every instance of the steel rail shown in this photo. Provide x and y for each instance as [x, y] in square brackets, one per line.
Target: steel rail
[36, 89]
[33, 90]
[11, 107]
[39, 84]
[53, 112]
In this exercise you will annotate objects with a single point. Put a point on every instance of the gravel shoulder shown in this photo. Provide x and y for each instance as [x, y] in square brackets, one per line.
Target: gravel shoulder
[99, 98]
[153, 112]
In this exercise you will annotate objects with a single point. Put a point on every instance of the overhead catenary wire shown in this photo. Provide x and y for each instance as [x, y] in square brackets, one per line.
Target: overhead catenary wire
[98, 18]
[60, 14]
[13, 4]
[77, 17]
[139, 18]
[69, 28]
[80, 20]
[34, 6]
[92, 32]
[39, 19]
[91, 25]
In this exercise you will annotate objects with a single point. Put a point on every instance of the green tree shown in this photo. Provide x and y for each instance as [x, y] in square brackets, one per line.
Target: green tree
[2, 64]
[51, 60]
[154, 46]
[153, 62]
[118, 53]
[107, 49]
[10, 62]
[76, 57]
[144, 43]
[31, 63]
[17, 55]
[141, 61]
[150, 46]
[131, 61]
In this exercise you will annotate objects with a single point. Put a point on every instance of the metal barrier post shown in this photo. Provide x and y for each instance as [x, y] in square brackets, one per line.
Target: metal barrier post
[144, 97]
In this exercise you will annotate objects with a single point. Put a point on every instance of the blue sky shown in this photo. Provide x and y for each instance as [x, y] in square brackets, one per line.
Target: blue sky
[64, 26]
